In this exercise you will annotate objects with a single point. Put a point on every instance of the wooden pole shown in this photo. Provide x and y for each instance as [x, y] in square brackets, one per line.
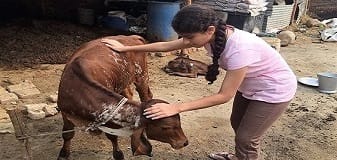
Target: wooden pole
[20, 131]
[306, 7]
[293, 12]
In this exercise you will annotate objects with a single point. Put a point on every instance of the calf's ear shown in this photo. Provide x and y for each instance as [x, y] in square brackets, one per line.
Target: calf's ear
[140, 144]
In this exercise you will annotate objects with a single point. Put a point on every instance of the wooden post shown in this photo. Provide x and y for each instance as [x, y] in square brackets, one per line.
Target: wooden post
[293, 12]
[306, 7]
[20, 131]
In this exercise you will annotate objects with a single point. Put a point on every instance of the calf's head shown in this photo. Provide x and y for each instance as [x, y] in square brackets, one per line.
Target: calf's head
[166, 130]
[180, 64]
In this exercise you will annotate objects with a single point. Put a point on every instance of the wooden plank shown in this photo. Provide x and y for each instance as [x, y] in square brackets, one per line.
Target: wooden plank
[20, 131]
[19, 126]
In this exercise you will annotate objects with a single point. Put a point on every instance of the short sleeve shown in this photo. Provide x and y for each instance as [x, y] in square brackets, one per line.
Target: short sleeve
[242, 58]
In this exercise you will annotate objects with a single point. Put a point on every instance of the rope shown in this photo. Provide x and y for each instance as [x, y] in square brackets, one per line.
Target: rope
[105, 116]
[51, 133]
[101, 120]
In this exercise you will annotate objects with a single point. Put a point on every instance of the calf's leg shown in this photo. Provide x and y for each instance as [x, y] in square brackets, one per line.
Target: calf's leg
[67, 136]
[144, 91]
[116, 151]
[142, 86]
[142, 78]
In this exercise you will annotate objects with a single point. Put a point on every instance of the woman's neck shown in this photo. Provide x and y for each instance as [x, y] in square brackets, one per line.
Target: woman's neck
[229, 31]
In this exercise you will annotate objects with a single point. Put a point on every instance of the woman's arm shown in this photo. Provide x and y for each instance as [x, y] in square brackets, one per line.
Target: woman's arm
[151, 47]
[229, 87]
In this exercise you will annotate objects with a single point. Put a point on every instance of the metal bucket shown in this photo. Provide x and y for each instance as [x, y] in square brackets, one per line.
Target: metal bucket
[160, 16]
[327, 82]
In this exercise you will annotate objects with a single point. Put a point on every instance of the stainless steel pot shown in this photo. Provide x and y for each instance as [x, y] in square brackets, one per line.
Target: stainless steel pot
[327, 82]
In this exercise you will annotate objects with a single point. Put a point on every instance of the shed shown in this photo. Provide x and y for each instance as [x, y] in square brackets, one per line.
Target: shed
[322, 9]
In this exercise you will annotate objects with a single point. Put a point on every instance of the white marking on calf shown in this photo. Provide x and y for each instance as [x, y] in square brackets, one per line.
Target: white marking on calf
[138, 69]
[126, 116]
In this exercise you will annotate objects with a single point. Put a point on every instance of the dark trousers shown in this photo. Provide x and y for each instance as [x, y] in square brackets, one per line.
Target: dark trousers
[250, 119]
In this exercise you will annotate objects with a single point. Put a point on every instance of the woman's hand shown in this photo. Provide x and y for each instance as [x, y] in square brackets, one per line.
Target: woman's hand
[113, 44]
[161, 110]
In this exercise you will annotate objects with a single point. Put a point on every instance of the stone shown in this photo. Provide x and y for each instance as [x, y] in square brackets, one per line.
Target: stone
[4, 117]
[6, 125]
[313, 23]
[26, 93]
[45, 66]
[52, 98]
[35, 111]
[24, 90]
[286, 37]
[50, 110]
[21, 86]
[6, 128]
[163, 54]
[5, 96]
[36, 114]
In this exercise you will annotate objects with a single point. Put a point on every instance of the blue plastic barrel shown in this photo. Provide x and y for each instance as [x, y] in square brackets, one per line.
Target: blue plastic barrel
[115, 22]
[159, 18]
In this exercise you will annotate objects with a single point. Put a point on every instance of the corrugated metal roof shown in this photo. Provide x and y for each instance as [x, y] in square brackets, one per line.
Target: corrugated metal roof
[234, 6]
[280, 17]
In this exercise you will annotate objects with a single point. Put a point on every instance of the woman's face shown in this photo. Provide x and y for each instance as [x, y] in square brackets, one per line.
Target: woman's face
[199, 39]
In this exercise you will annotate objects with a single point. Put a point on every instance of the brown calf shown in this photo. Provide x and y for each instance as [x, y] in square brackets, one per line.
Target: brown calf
[185, 67]
[91, 91]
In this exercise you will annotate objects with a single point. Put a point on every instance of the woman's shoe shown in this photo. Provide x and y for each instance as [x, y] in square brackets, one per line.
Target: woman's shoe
[221, 156]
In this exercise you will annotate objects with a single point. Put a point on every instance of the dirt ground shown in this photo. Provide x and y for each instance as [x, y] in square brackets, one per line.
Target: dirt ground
[38, 51]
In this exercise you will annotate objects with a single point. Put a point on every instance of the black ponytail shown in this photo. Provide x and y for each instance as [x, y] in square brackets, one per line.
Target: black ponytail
[217, 49]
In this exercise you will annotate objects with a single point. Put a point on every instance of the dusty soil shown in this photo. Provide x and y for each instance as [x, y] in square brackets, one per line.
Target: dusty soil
[37, 52]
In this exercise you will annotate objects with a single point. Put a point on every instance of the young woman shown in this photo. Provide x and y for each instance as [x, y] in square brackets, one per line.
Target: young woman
[258, 78]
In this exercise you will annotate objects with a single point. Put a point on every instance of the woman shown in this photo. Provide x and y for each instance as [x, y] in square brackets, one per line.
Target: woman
[258, 78]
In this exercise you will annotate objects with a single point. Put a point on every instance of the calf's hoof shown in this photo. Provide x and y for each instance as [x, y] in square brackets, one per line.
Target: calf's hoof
[118, 155]
[64, 155]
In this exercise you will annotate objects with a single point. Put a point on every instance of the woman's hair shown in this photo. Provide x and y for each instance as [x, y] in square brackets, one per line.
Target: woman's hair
[196, 18]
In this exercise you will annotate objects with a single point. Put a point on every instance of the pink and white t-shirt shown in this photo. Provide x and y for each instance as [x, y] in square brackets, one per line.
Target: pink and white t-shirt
[268, 78]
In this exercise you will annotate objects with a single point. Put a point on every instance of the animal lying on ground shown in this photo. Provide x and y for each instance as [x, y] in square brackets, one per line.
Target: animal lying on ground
[91, 93]
[185, 67]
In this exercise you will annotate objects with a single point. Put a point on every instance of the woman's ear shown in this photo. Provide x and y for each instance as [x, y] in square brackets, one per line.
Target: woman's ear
[210, 30]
